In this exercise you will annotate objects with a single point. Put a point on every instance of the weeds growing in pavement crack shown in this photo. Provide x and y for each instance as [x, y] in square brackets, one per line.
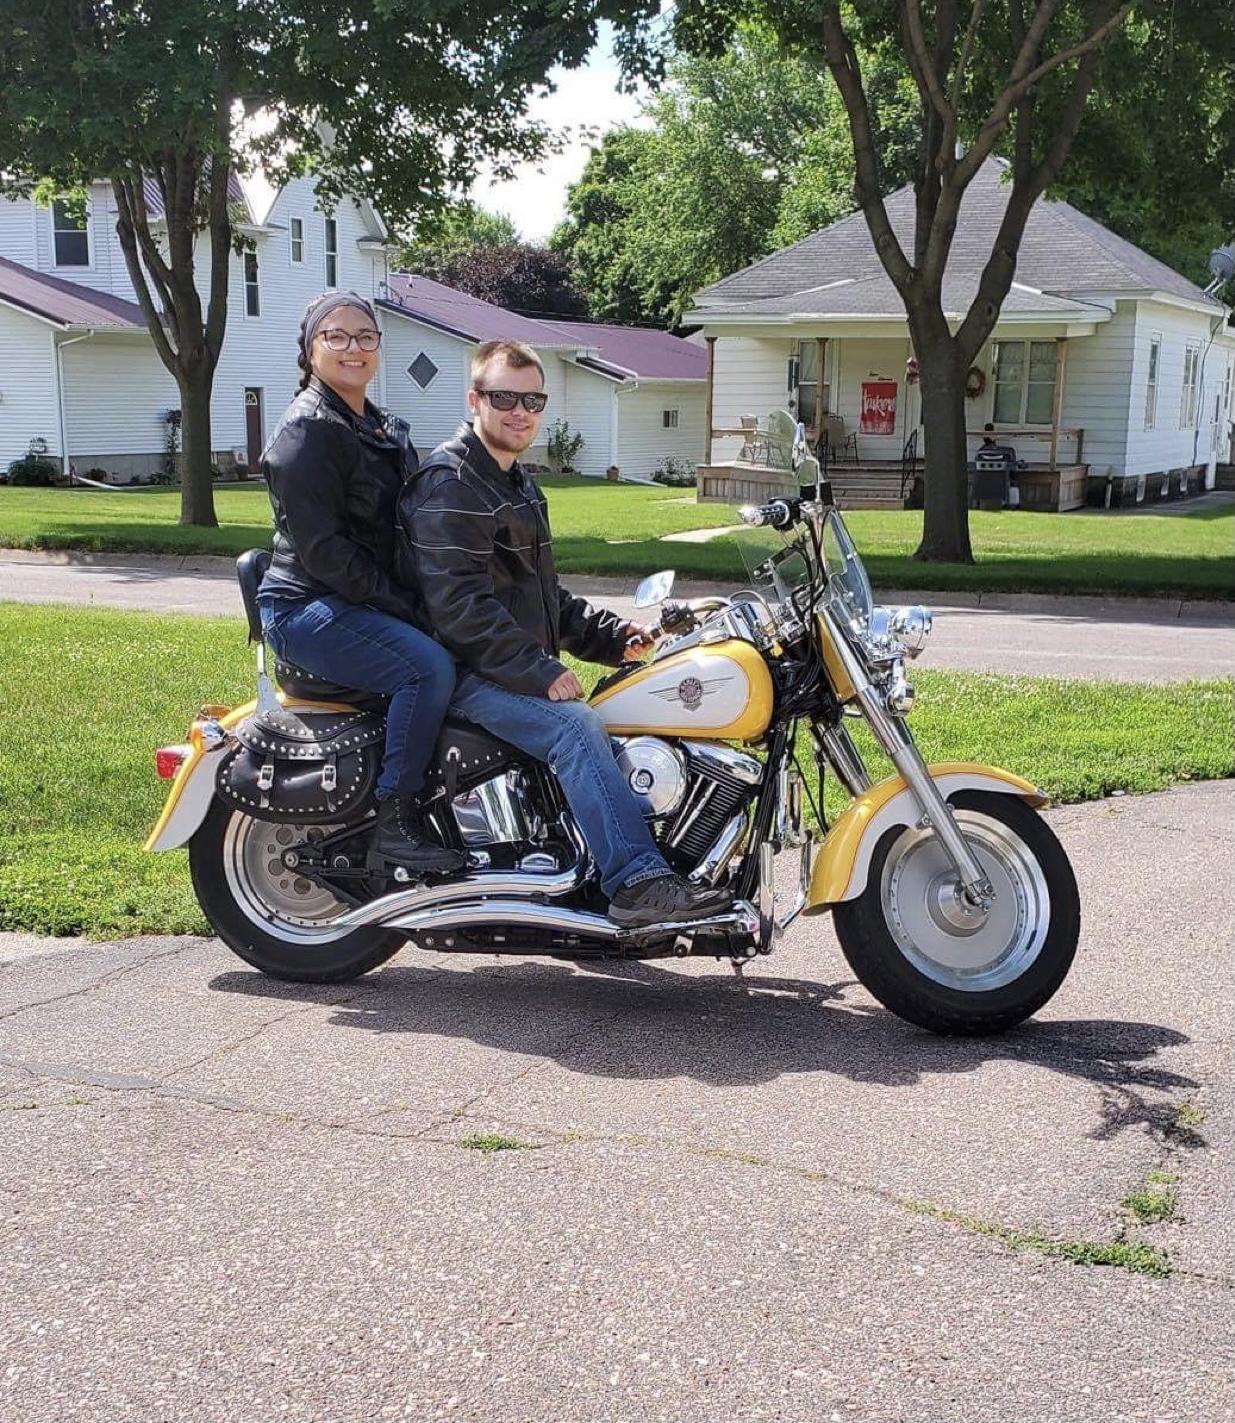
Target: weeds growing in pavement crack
[487, 1144]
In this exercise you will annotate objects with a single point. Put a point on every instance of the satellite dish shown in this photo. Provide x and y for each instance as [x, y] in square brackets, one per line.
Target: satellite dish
[1222, 263]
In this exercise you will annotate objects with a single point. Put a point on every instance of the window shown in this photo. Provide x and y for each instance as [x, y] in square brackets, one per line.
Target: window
[1025, 374]
[804, 383]
[297, 226]
[668, 419]
[1151, 386]
[332, 252]
[70, 231]
[252, 300]
[1192, 376]
[422, 370]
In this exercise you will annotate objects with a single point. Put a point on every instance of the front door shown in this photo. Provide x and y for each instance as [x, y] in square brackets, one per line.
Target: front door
[253, 425]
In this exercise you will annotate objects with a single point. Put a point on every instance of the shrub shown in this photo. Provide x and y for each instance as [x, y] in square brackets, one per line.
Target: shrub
[677, 473]
[563, 447]
[33, 469]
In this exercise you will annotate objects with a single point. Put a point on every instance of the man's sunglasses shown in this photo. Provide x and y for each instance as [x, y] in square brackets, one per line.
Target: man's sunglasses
[534, 401]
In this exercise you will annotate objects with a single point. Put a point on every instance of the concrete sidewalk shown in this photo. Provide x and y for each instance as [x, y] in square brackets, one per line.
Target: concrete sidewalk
[1134, 639]
[230, 1200]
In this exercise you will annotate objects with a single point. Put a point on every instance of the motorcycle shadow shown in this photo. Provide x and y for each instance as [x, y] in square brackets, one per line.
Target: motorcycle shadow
[641, 1022]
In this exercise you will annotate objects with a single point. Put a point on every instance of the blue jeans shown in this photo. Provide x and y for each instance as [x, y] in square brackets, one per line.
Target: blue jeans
[572, 739]
[359, 647]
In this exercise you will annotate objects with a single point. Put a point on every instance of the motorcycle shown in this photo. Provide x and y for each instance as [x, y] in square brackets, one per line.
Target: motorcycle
[953, 901]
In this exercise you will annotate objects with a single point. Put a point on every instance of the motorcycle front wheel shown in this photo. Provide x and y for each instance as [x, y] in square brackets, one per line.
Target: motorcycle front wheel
[271, 917]
[923, 952]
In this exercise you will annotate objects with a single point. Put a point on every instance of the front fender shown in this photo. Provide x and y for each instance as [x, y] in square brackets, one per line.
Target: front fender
[843, 862]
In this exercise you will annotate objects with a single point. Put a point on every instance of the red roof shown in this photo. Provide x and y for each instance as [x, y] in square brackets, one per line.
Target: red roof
[66, 303]
[638, 350]
[622, 351]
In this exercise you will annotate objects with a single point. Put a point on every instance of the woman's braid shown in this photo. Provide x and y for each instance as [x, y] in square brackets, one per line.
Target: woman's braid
[302, 358]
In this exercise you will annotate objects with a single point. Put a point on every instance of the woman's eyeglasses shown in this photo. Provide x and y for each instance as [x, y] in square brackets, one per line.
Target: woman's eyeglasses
[336, 339]
[533, 401]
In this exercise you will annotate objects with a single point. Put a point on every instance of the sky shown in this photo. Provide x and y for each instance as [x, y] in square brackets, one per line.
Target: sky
[535, 199]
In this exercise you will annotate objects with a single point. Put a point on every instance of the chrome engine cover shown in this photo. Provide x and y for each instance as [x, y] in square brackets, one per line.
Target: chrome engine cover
[496, 812]
[655, 773]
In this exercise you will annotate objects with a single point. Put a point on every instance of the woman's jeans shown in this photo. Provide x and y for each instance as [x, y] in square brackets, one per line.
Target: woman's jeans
[571, 738]
[359, 647]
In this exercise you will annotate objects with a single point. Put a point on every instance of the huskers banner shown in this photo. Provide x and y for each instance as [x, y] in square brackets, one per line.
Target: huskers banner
[878, 407]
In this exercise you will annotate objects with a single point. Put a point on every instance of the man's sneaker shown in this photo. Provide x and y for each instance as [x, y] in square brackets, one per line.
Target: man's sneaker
[399, 839]
[666, 899]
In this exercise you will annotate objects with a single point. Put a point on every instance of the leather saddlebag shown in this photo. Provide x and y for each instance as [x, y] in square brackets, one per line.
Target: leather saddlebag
[303, 767]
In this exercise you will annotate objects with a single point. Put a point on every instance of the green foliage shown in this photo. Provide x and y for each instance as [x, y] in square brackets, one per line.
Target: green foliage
[745, 152]
[441, 240]
[563, 447]
[487, 1143]
[33, 470]
[676, 473]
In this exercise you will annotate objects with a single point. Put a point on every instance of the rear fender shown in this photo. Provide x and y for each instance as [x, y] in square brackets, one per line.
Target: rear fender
[843, 862]
[188, 801]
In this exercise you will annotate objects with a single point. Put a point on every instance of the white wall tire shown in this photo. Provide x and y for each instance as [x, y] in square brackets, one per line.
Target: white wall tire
[276, 921]
[914, 945]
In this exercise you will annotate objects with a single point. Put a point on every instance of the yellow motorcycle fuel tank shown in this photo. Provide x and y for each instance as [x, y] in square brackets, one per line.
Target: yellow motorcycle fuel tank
[721, 691]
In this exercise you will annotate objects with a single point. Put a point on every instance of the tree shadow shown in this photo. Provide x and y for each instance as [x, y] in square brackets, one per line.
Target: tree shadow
[639, 1022]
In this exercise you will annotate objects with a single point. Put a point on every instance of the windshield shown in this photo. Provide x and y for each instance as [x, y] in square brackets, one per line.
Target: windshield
[848, 584]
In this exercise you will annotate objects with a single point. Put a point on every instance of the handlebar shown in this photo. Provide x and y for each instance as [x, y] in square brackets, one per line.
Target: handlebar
[779, 514]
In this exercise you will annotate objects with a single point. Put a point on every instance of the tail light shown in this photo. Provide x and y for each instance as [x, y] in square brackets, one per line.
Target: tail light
[169, 759]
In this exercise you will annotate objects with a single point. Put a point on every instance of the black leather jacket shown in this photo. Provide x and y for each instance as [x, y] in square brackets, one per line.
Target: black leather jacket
[474, 540]
[334, 479]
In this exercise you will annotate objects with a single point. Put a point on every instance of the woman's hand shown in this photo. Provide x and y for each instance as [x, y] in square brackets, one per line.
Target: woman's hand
[639, 640]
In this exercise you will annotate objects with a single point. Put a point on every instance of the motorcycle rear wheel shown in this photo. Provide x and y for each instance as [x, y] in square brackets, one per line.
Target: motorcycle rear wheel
[915, 946]
[272, 918]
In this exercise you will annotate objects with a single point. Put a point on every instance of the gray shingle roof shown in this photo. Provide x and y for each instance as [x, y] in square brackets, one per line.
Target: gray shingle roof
[66, 303]
[1062, 252]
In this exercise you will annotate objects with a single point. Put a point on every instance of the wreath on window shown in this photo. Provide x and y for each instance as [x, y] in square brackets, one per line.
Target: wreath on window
[975, 383]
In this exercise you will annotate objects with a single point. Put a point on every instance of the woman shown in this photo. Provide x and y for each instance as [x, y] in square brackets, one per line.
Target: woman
[329, 603]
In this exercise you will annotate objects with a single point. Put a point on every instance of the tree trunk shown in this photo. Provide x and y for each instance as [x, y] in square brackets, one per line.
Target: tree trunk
[945, 521]
[196, 478]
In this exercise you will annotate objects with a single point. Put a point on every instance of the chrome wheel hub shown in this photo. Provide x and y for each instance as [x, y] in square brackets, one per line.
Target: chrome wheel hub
[947, 938]
[258, 864]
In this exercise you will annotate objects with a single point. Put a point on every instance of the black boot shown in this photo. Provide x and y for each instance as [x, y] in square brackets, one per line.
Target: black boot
[666, 899]
[399, 838]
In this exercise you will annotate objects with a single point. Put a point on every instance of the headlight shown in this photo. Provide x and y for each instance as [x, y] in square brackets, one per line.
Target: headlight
[911, 627]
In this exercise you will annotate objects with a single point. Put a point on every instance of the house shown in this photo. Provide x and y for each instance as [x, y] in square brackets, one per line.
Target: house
[1111, 375]
[635, 395]
[79, 376]
[78, 370]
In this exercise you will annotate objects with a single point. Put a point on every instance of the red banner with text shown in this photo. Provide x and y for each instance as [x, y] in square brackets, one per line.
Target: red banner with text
[878, 407]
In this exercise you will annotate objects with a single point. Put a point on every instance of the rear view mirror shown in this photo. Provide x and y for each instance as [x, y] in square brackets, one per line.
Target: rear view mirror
[655, 588]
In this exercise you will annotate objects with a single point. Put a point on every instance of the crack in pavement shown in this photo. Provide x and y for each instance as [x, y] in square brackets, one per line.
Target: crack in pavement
[107, 979]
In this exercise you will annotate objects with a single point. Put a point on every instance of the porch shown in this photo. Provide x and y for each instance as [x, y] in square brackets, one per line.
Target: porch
[859, 399]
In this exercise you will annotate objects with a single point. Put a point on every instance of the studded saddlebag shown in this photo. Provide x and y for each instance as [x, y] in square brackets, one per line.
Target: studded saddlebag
[296, 766]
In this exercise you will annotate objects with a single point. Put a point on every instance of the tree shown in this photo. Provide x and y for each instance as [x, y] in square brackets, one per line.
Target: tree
[743, 152]
[1024, 71]
[443, 239]
[525, 278]
[397, 102]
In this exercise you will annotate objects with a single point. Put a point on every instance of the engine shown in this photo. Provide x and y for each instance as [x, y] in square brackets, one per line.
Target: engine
[694, 795]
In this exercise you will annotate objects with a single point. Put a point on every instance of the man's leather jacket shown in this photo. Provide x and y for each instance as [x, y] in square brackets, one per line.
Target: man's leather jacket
[474, 541]
[334, 479]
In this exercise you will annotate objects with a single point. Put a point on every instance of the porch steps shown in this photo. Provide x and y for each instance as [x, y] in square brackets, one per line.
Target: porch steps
[867, 486]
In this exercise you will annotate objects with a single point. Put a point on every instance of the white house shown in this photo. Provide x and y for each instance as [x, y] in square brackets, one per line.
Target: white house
[635, 396]
[1107, 371]
[78, 370]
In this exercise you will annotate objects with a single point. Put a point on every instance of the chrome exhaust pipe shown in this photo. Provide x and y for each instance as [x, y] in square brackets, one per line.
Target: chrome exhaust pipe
[389, 909]
[524, 914]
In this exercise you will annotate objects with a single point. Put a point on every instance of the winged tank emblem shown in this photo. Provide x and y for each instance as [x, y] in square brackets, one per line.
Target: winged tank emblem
[691, 691]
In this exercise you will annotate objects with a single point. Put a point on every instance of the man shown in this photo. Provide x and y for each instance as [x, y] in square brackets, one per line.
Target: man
[475, 542]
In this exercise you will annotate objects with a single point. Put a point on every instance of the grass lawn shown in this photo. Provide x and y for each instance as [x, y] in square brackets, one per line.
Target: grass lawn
[89, 694]
[615, 529]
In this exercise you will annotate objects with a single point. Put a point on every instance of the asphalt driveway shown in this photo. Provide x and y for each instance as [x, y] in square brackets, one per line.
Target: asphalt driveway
[231, 1200]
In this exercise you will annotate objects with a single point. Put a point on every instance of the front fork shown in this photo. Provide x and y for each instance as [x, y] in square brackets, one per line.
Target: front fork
[894, 737]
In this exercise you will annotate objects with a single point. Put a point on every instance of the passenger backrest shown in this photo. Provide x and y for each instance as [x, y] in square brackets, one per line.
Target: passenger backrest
[251, 567]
